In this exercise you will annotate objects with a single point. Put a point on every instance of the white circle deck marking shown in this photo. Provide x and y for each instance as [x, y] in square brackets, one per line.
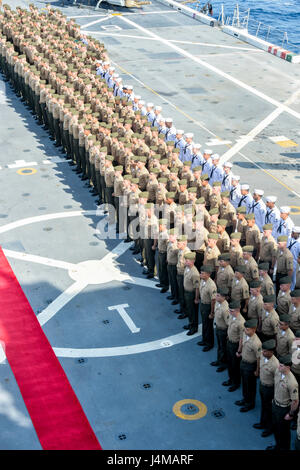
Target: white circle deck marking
[92, 272]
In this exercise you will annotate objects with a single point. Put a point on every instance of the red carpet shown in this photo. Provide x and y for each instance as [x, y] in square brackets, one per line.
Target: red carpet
[55, 411]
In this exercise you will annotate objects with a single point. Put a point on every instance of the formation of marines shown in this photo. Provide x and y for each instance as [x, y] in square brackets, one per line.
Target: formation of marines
[216, 247]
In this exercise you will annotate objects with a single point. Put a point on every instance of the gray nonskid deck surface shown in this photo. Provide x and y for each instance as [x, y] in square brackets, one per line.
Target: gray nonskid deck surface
[111, 387]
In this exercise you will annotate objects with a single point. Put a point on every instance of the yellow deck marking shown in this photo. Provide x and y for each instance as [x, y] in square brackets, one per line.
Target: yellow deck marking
[287, 143]
[26, 171]
[296, 210]
[202, 409]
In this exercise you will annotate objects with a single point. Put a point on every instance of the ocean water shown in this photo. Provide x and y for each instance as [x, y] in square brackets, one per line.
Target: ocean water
[275, 16]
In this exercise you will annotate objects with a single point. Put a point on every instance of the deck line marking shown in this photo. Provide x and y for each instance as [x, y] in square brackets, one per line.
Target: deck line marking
[98, 21]
[41, 218]
[162, 343]
[250, 136]
[141, 282]
[121, 310]
[61, 301]
[213, 142]
[2, 352]
[270, 174]
[214, 69]
[157, 12]
[278, 138]
[21, 163]
[175, 41]
[117, 251]
[257, 129]
[38, 259]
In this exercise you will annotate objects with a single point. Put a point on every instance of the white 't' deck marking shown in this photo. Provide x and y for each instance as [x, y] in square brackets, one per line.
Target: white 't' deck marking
[214, 69]
[121, 310]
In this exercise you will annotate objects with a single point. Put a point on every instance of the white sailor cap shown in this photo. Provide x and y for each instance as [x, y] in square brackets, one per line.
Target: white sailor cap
[208, 151]
[179, 131]
[245, 186]
[215, 156]
[158, 108]
[111, 68]
[227, 164]
[118, 80]
[129, 87]
[137, 97]
[150, 105]
[296, 229]
[285, 210]
[259, 192]
[189, 135]
[142, 102]
[100, 62]
[271, 198]
[161, 119]
[115, 75]
[169, 120]
[236, 177]
[197, 146]
[106, 63]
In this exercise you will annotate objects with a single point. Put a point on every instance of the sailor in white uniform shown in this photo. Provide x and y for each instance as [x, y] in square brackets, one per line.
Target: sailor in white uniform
[162, 125]
[171, 130]
[129, 93]
[111, 80]
[235, 191]
[150, 112]
[142, 107]
[118, 89]
[105, 66]
[294, 247]
[121, 92]
[259, 208]
[272, 214]
[186, 151]
[246, 198]
[179, 140]
[207, 162]
[115, 77]
[99, 68]
[109, 73]
[285, 225]
[157, 116]
[136, 100]
[227, 176]
[196, 157]
[216, 172]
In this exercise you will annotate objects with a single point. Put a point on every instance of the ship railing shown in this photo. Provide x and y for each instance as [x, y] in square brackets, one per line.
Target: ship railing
[241, 19]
